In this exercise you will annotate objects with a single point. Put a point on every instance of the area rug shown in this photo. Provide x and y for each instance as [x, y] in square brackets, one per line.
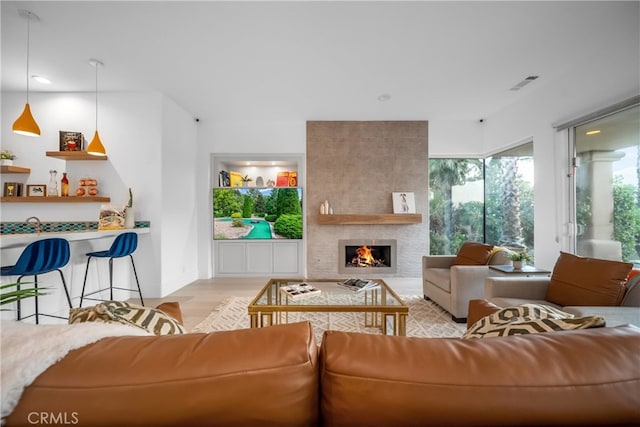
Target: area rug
[425, 319]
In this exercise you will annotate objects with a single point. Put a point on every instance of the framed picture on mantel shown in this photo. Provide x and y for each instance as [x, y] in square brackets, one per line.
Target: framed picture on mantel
[404, 202]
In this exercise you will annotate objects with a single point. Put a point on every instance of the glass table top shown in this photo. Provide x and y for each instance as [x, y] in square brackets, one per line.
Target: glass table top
[330, 294]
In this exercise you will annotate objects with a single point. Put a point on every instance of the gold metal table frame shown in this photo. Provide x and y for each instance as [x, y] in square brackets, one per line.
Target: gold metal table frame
[381, 306]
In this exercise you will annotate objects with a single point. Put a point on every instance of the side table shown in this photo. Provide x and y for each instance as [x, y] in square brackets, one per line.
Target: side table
[526, 270]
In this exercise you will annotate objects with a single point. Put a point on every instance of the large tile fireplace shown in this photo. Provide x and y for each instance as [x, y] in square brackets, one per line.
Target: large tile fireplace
[356, 166]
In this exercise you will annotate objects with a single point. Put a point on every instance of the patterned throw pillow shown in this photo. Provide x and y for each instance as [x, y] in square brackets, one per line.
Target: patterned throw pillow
[529, 319]
[150, 319]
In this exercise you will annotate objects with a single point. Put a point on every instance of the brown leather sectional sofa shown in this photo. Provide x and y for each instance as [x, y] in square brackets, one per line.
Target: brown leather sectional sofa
[278, 376]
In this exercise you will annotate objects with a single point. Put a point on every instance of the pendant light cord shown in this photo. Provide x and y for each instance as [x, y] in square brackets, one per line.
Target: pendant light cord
[28, 43]
[97, 65]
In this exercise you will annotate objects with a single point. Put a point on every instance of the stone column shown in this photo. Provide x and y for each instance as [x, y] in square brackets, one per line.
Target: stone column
[595, 175]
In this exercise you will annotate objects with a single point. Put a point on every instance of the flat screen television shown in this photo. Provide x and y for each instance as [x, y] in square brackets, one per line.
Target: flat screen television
[257, 213]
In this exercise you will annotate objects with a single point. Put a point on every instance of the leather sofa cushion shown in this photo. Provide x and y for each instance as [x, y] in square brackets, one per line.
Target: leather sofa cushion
[473, 253]
[541, 379]
[261, 377]
[479, 308]
[172, 309]
[587, 281]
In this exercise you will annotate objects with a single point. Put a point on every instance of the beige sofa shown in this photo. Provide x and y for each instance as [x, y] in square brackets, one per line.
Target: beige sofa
[514, 291]
[453, 286]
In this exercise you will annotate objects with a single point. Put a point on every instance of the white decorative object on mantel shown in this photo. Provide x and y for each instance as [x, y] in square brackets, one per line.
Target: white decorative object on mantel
[325, 209]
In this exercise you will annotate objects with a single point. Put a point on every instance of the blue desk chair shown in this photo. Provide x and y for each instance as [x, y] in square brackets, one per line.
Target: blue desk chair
[40, 257]
[123, 245]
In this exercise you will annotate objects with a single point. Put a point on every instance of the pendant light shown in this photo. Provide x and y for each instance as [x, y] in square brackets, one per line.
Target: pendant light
[95, 146]
[26, 124]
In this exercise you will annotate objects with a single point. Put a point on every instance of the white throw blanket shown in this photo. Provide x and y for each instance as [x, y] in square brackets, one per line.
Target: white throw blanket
[27, 350]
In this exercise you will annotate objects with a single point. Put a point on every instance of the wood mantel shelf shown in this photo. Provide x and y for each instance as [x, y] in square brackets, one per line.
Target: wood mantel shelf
[379, 219]
[74, 155]
[70, 199]
[14, 169]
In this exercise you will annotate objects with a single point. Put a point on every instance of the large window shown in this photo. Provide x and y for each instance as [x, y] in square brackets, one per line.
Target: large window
[509, 198]
[607, 201]
[456, 205]
[484, 200]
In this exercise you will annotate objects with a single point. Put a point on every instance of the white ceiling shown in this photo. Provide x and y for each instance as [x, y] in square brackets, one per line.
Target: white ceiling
[313, 60]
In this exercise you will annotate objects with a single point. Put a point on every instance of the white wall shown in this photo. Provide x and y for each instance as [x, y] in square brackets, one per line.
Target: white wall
[178, 227]
[141, 132]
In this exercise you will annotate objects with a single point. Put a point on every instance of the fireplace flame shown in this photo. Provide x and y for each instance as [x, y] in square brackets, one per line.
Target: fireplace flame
[364, 257]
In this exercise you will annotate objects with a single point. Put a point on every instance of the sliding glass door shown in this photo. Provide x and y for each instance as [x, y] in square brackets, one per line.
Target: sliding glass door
[607, 200]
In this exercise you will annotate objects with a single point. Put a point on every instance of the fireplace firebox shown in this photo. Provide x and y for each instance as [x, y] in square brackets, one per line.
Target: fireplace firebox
[367, 256]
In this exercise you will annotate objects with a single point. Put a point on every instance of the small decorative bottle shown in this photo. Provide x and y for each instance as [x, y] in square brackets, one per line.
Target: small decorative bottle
[52, 188]
[64, 185]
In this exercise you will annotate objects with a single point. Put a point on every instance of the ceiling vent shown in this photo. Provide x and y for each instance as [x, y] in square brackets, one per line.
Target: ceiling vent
[524, 82]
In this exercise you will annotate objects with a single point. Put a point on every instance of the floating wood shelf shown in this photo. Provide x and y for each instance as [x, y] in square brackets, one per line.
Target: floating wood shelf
[379, 219]
[14, 169]
[74, 155]
[70, 199]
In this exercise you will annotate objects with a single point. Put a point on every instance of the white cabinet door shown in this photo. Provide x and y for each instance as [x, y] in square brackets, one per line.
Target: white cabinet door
[286, 258]
[231, 258]
[259, 257]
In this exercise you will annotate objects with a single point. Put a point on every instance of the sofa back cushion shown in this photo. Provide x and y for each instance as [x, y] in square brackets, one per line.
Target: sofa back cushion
[555, 378]
[587, 281]
[246, 377]
[473, 253]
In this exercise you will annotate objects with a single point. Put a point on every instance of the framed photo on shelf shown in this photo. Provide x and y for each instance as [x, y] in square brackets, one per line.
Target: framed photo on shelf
[71, 141]
[12, 189]
[36, 190]
[404, 202]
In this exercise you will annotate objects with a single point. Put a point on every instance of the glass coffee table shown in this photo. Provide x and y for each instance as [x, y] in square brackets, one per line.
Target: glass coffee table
[381, 306]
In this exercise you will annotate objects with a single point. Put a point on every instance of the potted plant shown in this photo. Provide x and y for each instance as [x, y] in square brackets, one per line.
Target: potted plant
[246, 180]
[6, 157]
[518, 258]
[8, 296]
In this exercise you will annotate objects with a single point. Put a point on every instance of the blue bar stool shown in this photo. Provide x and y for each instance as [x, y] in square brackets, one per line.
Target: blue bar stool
[123, 245]
[40, 257]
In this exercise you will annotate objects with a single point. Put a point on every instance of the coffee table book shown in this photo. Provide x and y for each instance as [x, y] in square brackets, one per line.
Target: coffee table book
[299, 290]
[358, 285]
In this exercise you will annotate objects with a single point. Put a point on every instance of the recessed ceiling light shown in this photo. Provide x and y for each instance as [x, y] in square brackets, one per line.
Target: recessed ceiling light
[41, 79]
[384, 97]
[593, 132]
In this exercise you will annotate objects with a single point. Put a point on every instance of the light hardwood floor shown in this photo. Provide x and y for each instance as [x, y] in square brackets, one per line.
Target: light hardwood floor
[198, 299]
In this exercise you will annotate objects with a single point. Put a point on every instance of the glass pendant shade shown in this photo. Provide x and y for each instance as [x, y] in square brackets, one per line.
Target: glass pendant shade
[26, 124]
[95, 146]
